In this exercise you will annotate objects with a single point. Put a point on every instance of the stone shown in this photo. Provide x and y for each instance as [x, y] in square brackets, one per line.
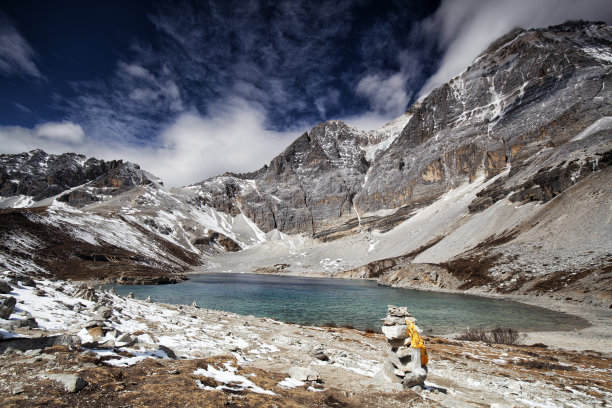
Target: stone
[94, 322]
[392, 320]
[386, 374]
[126, 339]
[398, 311]
[96, 331]
[71, 382]
[415, 377]
[7, 307]
[105, 312]
[395, 332]
[27, 343]
[40, 292]
[28, 322]
[27, 281]
[407, 363]
[5, 287]
[319, 354]
[303, 374]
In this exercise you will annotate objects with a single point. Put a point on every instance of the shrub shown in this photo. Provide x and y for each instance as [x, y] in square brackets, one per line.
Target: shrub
[496, 336]
[505, 336]
[474, 335]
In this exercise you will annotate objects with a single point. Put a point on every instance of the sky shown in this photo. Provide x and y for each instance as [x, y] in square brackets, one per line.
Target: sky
[193, 89]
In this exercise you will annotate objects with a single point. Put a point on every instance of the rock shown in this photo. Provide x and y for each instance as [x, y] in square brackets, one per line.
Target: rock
[403, 351]
[392, 320]
[7, 306]
[71, 382]
[386, 374]
[29, 322]
[96, 331]
[87, 292]
[5, 287]
[405, 364]
[126, 339]
[398, 311]
[319, 354]
[159, 350]
[303, 374]
[40, 292]
[105, 312]
[93, 322]
[27, 343]
[415, 377]
[27, 281]
[395, 332]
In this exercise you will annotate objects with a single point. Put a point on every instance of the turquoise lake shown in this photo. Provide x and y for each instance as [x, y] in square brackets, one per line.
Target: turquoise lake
[357, 303]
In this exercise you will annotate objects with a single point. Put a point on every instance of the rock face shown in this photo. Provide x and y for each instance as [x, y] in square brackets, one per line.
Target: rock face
[527, 94]
[403, 364]
[39, 175]
[308, 187]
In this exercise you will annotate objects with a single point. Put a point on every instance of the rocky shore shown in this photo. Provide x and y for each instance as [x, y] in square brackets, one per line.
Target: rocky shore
[69, 345]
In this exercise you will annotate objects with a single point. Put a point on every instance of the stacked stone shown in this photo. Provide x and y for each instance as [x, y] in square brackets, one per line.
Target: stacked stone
[403, 363]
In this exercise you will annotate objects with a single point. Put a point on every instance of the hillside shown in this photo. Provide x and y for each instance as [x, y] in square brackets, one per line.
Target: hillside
[497, 181]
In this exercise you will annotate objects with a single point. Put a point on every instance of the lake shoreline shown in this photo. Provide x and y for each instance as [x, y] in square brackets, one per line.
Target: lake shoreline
[595, 336]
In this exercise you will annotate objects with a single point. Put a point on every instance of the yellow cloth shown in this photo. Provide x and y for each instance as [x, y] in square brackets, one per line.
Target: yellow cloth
[417, 341]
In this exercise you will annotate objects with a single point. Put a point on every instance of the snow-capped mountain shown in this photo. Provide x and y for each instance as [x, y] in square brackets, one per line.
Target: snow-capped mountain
[498, 179]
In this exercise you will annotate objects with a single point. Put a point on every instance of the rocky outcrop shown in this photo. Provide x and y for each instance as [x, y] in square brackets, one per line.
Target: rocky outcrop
[527, 95]
[39, 175]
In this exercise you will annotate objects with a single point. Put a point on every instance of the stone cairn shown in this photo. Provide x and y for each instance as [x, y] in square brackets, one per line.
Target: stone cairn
[403, 364]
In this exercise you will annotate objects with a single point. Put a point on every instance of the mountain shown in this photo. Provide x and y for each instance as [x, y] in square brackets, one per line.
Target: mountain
[497, 180]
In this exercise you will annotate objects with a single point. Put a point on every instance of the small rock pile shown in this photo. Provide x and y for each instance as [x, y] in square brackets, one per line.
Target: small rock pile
[403, 363]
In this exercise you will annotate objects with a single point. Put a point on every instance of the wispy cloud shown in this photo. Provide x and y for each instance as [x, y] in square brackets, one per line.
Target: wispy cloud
[16, 55]
[464, 28]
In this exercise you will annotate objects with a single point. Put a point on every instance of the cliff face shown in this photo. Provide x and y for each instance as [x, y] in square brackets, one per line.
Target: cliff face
[528, 94]
[39, 175]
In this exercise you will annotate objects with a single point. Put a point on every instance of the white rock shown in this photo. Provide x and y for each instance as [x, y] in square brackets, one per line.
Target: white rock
[303, 374]
[395, 332]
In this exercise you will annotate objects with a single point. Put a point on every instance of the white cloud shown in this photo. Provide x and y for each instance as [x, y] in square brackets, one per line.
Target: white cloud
[16, 54]
[60, 131]
[232, 138]
[58, 137]
[466, 27]
[386, 95]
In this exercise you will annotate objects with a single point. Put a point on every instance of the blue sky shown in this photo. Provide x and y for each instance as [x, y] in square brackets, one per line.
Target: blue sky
[192, 89]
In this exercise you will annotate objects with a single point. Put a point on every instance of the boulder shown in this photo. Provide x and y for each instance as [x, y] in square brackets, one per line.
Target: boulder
[7, 307]
[415, 377]
[27, 281]
[5, 287]
[71, 382]
[319, 354]
[395, 332]
[105, 312]
[27, 343]
[393, 320]
[303, 374]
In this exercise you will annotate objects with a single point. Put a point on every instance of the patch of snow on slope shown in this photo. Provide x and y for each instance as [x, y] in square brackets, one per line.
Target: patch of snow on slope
[604, 123]
[228, 377]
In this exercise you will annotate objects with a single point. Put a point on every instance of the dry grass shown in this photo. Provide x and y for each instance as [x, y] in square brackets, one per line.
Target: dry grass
[496, 336]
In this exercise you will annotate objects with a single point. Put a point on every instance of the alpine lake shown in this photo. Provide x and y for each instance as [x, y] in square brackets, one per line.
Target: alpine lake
[353, 303]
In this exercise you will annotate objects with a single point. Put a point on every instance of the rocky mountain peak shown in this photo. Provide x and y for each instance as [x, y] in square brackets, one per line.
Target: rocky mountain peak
[39, 175]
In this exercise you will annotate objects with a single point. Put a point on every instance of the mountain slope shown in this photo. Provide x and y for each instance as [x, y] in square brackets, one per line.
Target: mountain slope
[497, 180]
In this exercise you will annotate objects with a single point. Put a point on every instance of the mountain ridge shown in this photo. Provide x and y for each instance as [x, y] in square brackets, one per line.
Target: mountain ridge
[464, 178]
